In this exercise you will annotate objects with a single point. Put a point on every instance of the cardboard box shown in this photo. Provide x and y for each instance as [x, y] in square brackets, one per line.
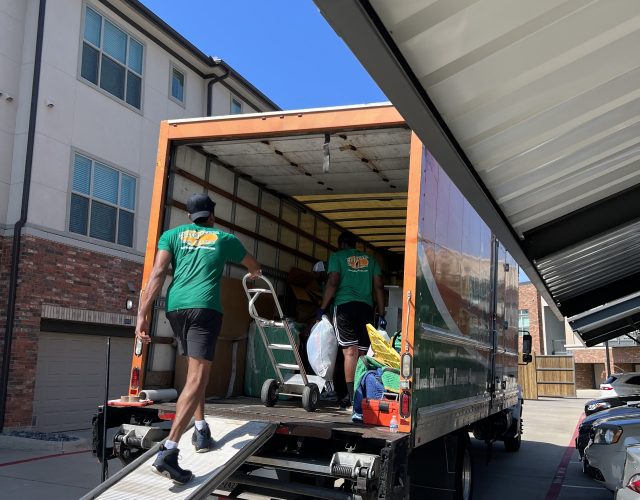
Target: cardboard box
[227, 371]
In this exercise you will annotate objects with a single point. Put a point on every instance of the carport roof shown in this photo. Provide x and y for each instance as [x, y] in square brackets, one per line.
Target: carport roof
[533, 109]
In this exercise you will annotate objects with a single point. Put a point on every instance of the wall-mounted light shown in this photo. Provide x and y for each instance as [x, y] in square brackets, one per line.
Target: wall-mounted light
[49, 103]
[129, 305]
[8, 98]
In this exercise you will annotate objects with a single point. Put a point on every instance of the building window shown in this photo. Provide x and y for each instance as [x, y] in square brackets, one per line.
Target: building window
[177, 84]
[111, 59]
[523, 321]
[236, 106]
[103, 202]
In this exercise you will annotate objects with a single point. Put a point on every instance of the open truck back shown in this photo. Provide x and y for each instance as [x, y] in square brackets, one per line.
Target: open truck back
[287, 184]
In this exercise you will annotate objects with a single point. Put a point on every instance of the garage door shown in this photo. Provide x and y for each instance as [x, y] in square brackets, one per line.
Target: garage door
[70, 378]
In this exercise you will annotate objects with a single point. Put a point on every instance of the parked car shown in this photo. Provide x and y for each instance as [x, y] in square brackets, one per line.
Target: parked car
[596, 405]
[604, 457]
[620, 384]
[630, 487]
[584, 431]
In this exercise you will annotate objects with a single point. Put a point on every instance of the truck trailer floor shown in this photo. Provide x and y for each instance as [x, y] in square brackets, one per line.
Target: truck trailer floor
[537, 472]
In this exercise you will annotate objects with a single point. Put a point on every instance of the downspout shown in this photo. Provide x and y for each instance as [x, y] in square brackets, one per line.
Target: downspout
[215, 79]
[17, 228]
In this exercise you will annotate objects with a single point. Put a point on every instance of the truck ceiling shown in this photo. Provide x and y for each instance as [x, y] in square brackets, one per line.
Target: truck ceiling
[362, 186]
[533, 110]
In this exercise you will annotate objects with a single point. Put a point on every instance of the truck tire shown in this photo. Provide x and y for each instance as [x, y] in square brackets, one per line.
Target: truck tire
[310, 397]
[464, 471]
[512, 444]
[269, 393]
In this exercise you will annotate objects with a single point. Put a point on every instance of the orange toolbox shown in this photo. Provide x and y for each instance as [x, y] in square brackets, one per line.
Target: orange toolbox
[380, 411]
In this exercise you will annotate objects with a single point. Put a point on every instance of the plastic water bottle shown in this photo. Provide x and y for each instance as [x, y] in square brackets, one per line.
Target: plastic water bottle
[393, 425]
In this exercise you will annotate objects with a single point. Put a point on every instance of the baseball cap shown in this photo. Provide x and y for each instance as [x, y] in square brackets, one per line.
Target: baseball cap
[199, 205]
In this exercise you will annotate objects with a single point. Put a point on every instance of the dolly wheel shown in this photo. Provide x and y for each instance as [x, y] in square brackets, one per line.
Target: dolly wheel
[269, 393]
[310, 397]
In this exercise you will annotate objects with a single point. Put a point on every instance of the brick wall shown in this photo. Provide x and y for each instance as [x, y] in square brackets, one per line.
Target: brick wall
[584, 376]
[529, 299]
[58, 274]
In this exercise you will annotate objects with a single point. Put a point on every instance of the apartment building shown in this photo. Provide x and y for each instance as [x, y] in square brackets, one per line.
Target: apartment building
[84, 85]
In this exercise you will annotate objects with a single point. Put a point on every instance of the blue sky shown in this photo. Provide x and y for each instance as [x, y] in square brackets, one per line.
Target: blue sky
[283, 47]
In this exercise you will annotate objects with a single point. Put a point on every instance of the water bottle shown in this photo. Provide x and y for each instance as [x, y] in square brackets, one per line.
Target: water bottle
[393, 425]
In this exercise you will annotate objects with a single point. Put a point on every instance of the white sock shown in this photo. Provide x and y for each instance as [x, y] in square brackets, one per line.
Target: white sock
[170, 444]
[200, 424]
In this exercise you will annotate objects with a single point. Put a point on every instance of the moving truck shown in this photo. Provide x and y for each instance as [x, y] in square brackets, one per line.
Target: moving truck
[287, 184]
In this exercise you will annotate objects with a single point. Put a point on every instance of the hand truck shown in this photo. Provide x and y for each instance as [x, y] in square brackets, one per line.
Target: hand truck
[296, 382]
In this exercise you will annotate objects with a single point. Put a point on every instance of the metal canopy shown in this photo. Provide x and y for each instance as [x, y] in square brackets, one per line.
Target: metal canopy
[604, 323]
[363, 191]
[533, 109]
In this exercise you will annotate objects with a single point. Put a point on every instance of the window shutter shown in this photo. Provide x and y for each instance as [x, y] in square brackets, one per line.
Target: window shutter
[128, 192]
[81, 174]
[125, 228]
[105, 183]
[135, 56]
[92, 27]
[78, 214]
[115, 42]
[103, 222]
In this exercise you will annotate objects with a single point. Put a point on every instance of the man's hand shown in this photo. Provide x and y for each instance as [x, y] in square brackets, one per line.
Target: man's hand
[142, 327]
[382, 322]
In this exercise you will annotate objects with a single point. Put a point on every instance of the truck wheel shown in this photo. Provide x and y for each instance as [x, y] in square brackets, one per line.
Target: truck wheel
[464, 471]
[513, 444]
[310, 397]
[269, 393]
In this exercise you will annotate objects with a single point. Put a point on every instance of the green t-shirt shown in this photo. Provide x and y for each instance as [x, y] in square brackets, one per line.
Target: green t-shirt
[198, 256]
[356, 270]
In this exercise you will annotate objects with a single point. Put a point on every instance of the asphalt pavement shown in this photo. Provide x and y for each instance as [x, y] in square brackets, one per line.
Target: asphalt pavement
[546, 467]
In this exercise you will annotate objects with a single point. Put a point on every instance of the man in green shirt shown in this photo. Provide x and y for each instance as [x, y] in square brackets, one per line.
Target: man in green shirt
[197, 253]
[352, 277]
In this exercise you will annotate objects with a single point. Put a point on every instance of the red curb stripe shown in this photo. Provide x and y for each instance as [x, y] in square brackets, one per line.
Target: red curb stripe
[34, 459]
[561, 471]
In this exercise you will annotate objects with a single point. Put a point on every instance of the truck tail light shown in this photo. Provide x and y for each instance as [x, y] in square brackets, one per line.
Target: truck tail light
[135, 378]
[634, 483]
[166, 415]
[405, 404]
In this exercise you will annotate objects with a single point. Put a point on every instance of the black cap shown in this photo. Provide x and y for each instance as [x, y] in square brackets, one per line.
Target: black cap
[200, 205]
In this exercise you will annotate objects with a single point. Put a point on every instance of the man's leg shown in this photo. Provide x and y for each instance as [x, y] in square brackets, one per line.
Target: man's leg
[350, 362]
[191, 398]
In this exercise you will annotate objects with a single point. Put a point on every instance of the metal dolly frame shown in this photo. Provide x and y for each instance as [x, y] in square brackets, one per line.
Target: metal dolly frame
[300, 384]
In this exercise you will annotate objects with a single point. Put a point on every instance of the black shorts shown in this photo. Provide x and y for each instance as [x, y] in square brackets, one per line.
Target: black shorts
[196, 331]
[350, 322]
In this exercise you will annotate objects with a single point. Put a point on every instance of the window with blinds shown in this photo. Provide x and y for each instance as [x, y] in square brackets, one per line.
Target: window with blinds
[177, 85]
[111, 59]
[103, 202]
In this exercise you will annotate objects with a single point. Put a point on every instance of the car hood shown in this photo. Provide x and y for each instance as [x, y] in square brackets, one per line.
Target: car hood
[620, 411]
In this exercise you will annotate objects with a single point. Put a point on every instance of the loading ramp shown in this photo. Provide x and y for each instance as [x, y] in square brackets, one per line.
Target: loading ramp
[236, 440]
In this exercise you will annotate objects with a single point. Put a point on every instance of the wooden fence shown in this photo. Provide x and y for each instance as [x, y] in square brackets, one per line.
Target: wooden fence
[551, 376]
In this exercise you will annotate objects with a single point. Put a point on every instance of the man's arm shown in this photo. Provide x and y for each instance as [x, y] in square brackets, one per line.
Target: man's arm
[378, 287]
[330, 289]
[158, 274]
[252, 265]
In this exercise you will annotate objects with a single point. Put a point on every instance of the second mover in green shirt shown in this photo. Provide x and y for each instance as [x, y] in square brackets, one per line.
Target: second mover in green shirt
[198, 256]
[356, 270]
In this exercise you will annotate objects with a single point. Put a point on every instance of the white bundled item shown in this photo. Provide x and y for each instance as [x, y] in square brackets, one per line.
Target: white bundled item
[322, 349]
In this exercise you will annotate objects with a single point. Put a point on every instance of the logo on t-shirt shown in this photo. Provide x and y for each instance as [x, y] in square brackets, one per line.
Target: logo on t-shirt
[194, 240]
[358, 262]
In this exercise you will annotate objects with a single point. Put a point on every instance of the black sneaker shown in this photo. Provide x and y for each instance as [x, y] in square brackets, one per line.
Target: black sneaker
[345, 402]
[166, 464]
[202, 440]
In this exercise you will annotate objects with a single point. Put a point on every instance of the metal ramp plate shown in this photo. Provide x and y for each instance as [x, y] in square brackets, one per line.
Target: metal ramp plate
[236, 440]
